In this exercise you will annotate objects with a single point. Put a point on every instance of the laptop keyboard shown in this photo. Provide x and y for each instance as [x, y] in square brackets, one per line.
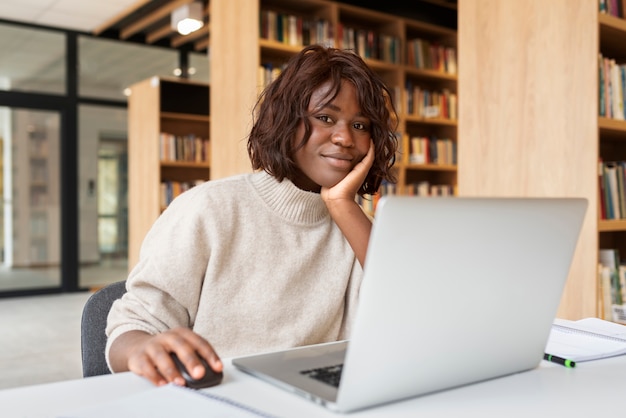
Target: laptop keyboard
[330, 375]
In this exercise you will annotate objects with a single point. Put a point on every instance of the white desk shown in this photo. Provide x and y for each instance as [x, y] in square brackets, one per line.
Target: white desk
[592, 389]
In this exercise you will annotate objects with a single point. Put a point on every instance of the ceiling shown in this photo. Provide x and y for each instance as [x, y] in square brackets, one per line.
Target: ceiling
[148, 21]
[79, 15]
[142, 21]
[135, 21]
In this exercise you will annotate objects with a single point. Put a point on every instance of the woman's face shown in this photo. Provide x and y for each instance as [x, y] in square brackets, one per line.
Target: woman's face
[340, 138]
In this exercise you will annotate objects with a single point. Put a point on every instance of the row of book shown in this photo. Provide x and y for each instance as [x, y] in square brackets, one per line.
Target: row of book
[612, 7]
[432, 150]
[295, 30]
[169, 190]
[426, 188]
[369, 44]
[612, 189]
[612, 83]
[412, 100]
[422, 188]
[192, 148]
[267, 73]
[299, 31]
[612, 286]
[369, 202]
[429, 55]
[426, 103]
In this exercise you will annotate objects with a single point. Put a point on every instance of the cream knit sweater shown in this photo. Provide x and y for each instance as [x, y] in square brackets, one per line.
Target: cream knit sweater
[248, 263]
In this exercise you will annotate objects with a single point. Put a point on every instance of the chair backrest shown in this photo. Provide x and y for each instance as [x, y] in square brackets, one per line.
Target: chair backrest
[92, 329]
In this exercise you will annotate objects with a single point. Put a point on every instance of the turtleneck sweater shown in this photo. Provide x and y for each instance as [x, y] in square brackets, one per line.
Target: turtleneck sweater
[247, 262]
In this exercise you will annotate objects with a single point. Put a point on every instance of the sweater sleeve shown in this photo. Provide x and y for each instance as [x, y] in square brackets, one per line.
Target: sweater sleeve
[164, 286]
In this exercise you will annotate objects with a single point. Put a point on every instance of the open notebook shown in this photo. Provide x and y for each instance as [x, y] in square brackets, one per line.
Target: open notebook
[586, 339]
[455, 291]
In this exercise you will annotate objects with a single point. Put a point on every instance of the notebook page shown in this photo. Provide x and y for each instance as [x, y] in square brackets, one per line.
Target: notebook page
[601, 326]
[587, 339]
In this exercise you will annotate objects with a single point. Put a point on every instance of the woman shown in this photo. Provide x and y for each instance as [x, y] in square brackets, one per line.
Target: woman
[270, 259]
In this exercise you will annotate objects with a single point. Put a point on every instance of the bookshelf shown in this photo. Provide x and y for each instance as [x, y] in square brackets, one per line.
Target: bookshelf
[421, 122]
[246, 26]
[611, 135]
[168, 129]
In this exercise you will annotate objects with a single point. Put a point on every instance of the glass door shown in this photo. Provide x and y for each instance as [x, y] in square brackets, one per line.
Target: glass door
[102, 196]
[30, 244]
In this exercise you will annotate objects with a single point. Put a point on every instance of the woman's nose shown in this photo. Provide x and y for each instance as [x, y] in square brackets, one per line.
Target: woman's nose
[342, 136]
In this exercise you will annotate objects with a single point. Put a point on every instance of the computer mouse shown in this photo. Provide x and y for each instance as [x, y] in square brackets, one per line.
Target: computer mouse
[210, 378]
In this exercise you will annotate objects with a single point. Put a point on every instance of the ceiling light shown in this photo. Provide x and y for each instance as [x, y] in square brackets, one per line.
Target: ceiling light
[188, 18]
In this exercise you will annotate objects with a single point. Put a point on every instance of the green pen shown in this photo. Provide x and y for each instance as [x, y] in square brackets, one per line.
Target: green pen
[559, 360]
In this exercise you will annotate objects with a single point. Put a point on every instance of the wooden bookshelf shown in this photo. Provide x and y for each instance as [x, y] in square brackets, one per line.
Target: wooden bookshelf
[611, 130]
[236, 26]
[528, 119]
[156, 106]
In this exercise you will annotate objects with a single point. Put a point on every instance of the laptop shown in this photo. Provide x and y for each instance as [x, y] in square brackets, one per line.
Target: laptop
[455, 291]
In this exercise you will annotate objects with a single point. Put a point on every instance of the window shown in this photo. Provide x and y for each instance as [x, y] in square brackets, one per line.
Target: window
[108, 67]
[33, 60]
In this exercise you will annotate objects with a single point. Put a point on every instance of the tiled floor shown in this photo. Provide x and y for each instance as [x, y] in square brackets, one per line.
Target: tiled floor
[40, 335]
[40, 339]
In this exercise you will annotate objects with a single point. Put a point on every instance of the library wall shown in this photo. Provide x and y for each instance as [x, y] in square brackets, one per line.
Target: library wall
[528, 113]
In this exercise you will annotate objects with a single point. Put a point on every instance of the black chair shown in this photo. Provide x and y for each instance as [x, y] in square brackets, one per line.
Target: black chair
[92, 328]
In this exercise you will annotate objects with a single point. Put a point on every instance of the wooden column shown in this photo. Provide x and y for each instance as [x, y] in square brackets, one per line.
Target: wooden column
[528, 113]
[234, 53]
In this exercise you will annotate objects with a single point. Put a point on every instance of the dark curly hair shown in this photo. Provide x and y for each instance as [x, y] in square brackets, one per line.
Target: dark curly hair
[283, 105]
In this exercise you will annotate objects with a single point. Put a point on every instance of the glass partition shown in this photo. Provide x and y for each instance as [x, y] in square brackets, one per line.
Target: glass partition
[102, 195]
[31, 212]
[33, 60]
[108, 68]
[199, 67]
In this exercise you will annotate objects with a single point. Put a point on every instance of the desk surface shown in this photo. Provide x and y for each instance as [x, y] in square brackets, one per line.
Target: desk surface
[591, 389]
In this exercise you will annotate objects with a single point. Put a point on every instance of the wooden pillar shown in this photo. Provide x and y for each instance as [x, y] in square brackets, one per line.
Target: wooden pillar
[528, 118]
[234, 52]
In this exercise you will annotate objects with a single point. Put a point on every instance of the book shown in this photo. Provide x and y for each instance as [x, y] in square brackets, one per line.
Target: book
[586, 339]
[610, 170]
[611, 259]
[604, 292]
[168, 401]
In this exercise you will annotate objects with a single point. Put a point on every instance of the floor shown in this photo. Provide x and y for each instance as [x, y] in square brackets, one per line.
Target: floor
[40, 335]
[40, 339]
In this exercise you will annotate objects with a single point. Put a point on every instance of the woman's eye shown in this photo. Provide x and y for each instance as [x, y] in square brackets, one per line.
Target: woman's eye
[360, 126]
[325, 118]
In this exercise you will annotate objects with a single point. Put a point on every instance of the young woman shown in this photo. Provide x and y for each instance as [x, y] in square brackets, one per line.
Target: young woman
[270, 259]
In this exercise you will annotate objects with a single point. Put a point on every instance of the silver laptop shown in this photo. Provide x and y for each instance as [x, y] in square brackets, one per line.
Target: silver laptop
[456, 291]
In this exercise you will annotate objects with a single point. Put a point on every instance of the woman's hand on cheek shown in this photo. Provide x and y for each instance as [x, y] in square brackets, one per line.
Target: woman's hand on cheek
[350, 185]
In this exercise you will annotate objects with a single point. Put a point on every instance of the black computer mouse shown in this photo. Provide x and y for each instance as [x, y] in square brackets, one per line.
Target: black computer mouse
[210, 378]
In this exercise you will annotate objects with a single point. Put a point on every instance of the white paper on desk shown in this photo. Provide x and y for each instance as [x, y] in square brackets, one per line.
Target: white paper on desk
[586, 339]
[167, 401]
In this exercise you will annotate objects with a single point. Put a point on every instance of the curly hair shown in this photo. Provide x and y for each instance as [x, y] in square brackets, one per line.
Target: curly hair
[283, 106]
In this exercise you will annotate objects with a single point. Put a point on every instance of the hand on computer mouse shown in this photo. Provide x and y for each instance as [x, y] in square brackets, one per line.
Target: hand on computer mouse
[210, 378]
